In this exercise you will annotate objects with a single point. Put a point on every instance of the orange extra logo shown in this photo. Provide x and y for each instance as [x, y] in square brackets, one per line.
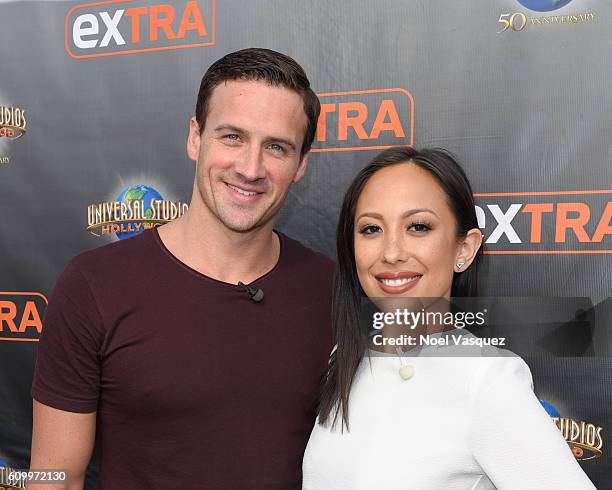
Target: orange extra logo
[21, 316]
[111, 28]
[549, 222]
[365, 120]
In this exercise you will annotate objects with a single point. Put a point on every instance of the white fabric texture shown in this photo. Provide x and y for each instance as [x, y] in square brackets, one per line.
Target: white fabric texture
[458, 423]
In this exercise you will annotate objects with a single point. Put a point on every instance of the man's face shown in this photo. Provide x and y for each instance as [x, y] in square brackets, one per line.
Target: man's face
[249, 152]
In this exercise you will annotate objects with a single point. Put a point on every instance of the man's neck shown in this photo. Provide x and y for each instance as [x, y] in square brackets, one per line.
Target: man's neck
[203, 243]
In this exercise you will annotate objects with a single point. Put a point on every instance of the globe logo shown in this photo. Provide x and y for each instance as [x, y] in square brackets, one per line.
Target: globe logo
[142, 193]
[544, 5]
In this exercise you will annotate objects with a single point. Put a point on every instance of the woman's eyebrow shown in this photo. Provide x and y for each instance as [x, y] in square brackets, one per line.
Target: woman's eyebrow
[405, 214]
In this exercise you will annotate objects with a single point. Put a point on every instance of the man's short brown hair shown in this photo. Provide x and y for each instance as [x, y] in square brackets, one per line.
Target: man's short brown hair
[266, 65]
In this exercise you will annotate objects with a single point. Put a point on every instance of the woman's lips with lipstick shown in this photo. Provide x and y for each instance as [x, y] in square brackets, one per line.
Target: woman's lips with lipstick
[397, 282]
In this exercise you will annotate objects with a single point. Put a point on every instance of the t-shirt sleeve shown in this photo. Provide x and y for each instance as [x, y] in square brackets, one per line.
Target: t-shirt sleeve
[511, 436]
[67, 373]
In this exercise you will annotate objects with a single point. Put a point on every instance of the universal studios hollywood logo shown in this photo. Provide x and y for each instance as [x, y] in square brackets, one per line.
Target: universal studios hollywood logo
[12, 122]
[584, 438]
[137, 208]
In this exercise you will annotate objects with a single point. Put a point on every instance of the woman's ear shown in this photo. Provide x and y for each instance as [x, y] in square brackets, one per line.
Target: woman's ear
[468, 248]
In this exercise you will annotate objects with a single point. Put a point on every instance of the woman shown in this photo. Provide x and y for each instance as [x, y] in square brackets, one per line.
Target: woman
[417, 419]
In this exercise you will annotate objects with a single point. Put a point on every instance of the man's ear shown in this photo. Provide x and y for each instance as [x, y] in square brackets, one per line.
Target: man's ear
[301, 170]
[468, 248]
[193, 140]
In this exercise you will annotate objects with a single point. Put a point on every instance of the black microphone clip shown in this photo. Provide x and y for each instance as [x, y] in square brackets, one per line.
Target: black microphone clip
[256, 294]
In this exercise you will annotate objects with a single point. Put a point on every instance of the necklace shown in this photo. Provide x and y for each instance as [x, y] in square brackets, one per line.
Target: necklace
[406, 371]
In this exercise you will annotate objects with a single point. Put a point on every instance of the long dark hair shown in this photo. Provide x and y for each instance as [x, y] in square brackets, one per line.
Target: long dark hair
[350, 340]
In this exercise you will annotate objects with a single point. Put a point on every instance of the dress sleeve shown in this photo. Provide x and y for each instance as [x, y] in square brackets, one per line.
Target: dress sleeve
[67, 373]
[512, 437]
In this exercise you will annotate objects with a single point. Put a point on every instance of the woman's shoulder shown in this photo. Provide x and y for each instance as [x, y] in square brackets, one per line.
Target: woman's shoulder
[506, 372]
[483, 365]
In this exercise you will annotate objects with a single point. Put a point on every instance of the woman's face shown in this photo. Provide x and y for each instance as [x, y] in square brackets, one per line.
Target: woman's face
[406, 242]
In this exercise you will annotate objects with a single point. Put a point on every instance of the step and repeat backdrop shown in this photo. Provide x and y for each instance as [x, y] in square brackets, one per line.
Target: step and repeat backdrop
[95, 100]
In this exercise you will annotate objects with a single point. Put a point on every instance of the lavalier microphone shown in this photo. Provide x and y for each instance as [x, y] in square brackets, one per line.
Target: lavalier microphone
[256, 294]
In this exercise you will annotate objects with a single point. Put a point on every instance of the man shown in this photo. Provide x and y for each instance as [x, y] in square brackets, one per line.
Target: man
[182, 377]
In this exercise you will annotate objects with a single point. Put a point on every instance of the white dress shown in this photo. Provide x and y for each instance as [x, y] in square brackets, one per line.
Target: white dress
[458, 423]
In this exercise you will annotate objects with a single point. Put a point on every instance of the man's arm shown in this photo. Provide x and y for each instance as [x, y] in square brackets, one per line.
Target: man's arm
[61, 441]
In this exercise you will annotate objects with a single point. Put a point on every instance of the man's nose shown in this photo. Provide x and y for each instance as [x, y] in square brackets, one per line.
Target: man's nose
[250, 163]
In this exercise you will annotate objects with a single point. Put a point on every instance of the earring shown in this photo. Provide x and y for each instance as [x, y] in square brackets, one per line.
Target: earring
[460, 265]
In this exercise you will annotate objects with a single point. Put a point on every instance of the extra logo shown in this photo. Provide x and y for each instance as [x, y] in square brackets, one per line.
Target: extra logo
[565, 222]
[584, 438]
[365, 120]
[135, 26]
[519, 21]
[136, 209]
[21, 316]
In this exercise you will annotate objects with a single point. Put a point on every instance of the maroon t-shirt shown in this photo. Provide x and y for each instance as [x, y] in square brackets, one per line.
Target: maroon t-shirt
[195, 384]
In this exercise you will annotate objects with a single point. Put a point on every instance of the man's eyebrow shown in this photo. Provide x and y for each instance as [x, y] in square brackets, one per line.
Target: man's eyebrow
[229, 127]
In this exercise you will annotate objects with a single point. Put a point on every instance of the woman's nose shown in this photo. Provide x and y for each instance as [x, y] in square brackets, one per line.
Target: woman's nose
[395, 249]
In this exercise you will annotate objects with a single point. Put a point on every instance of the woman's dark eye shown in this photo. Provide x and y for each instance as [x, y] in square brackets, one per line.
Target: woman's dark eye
[369, 229]
[419, 227]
